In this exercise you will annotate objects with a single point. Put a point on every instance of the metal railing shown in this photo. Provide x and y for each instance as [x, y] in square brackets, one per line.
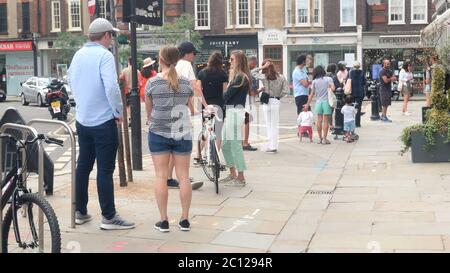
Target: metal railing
[26, 131]
[73, 161]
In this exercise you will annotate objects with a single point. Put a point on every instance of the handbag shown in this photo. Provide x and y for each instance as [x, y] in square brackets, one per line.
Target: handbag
[348, 87]
[264, 99]
[332, 100]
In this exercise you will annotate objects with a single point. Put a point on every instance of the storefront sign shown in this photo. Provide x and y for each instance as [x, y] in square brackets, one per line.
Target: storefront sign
[148, 12]
[230, 42]
[394, 41]
[16, 46]
[273, 37]
[151, 44]
[399, 40]
[322, 40]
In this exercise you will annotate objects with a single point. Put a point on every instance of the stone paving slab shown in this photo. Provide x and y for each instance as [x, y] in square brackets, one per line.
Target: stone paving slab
[243, 239]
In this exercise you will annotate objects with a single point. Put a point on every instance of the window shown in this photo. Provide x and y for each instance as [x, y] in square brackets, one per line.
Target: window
[317, 9]
[102, 9]
[396, 11]
[348, 12]
[229, 13]
[74, 15]
[202, 14]
[56, 16]
[26, 17]
[273, 53]
[419, 13]
[243, 12]
[258, 12]
[3, 18]
[288, 12]
[302, 12]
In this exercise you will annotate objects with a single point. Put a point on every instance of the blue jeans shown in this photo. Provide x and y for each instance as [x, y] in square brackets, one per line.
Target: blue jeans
[99, 142]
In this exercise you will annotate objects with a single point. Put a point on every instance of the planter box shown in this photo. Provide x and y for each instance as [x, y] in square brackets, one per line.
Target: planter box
[438, 153]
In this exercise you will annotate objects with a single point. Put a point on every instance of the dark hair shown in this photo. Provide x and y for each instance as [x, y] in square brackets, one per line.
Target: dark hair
[406, 66]
[270, 72]
[146, 72]
[348, 99]
[301, 59]
[215, 62]
[332, 68]
[319, 72]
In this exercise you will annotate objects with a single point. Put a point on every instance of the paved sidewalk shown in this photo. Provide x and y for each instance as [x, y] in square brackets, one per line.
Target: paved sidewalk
[358, 197]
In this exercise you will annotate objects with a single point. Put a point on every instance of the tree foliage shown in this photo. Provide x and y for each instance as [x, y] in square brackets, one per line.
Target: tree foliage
[68, 44]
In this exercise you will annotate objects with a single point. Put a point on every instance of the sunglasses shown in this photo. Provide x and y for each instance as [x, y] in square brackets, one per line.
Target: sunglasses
[112, 33]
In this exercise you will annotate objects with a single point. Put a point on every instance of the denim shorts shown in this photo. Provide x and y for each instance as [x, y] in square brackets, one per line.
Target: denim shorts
[161, 145]
[349, 126]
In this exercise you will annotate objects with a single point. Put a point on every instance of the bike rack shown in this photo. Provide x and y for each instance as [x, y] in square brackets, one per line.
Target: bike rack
[26, 130]
[73, 161]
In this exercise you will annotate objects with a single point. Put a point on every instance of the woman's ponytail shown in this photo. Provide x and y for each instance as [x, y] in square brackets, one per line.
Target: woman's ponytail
[173, 78]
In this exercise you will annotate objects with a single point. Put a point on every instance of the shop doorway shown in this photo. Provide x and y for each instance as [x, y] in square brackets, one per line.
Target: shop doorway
[275, 53]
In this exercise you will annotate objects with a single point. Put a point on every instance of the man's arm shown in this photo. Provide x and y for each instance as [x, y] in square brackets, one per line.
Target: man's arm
[108, 74]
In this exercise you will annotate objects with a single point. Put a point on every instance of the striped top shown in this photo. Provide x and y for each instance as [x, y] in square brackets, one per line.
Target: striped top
[170, 117]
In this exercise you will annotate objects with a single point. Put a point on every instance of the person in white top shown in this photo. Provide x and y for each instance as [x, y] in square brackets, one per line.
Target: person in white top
[405, 79]
[349, 111]
[342, 74]
[305, 122]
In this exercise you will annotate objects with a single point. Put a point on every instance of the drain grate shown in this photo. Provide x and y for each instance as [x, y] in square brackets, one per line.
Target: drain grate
[311, 192]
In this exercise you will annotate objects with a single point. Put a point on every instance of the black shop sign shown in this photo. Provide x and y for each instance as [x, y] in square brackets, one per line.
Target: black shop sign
[148, 12]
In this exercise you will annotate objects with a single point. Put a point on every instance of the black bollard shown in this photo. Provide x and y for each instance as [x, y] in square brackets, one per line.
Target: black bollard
[338, 116]
[375, 107]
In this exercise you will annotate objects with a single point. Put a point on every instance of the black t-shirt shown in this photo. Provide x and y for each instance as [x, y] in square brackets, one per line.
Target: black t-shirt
[212, 84]
[386, 86]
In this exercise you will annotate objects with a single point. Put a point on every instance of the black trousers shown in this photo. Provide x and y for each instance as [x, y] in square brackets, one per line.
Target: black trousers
[358, 107]
[300, 101]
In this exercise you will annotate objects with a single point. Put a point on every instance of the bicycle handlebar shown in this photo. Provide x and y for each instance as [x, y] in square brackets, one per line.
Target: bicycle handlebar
[46, 139]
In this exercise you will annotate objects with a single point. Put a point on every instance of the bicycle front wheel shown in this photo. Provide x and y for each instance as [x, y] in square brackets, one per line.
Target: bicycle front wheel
[29, 208]
[215, 164]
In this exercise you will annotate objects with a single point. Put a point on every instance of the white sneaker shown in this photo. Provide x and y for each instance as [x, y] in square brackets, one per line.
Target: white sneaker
[227, 179]
[406, 113]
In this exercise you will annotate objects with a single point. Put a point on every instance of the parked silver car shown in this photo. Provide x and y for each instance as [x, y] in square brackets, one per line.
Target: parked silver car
[35, 89]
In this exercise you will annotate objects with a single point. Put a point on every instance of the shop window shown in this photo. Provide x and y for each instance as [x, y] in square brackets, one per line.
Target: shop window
[56, 16]
[3, 18]
[348, 12]
[302, 12]
[419, 11]
[26, 17]
[243, 12]
[288, 11]
[258, 13]
[74, 15]
[275, 53]
[202, 14]
[396, 11]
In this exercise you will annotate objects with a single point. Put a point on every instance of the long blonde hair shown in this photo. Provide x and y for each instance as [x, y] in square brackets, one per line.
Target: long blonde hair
[240, 68]
[169, 55]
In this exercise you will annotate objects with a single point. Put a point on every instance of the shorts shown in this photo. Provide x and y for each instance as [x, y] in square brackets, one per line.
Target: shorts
[427, 89]
[323, 108]
[349, 126]
[407, 89]
[386, 98]
[161, 145]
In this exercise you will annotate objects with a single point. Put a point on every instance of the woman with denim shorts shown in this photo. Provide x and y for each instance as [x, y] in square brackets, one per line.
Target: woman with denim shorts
[320, 86]
[169, 107]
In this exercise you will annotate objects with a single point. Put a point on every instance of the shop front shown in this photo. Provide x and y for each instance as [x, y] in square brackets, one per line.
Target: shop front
[397, 48]
[322, 49]
[272, 45]
[226, 44]
[16, 64]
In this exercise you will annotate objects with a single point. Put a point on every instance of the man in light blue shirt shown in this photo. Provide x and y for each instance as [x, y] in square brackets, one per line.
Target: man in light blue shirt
[93, 80]
[301, 83]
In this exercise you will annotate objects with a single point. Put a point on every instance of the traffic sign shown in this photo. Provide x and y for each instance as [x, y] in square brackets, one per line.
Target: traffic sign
[148, 12]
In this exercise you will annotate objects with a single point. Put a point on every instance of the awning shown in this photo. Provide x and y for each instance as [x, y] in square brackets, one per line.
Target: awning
[442, 20]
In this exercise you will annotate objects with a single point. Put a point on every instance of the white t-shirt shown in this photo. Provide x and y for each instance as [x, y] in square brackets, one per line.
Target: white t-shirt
[305, 119]
[185, 69]
[349, 113]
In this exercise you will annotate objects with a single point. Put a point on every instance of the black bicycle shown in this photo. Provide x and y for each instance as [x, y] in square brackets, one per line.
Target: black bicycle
[26, 209]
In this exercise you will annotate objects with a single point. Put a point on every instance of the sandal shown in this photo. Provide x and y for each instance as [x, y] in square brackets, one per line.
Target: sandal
[320, 142]
[326, 142]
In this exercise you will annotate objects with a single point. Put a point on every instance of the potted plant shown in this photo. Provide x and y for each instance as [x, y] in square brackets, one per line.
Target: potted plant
[430, 141]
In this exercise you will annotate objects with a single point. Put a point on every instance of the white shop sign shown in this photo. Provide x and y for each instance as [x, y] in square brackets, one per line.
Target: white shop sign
[323, 40]
[391, 41]
[273, 37]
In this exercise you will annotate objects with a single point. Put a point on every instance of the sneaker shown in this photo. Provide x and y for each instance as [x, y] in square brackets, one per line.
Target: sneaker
[227, 179]
[184, 225]
[249, 148]
[196, 185]
[406, 113]
[236, 183]
[326, 141]
[197, 161]
[82, 218]
[385, 119]
[270, 151]
[162, 226]
[173, 183]
[116, 223]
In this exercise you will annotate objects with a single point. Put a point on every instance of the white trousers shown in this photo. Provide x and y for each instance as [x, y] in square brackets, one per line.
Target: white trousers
[272, 116]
